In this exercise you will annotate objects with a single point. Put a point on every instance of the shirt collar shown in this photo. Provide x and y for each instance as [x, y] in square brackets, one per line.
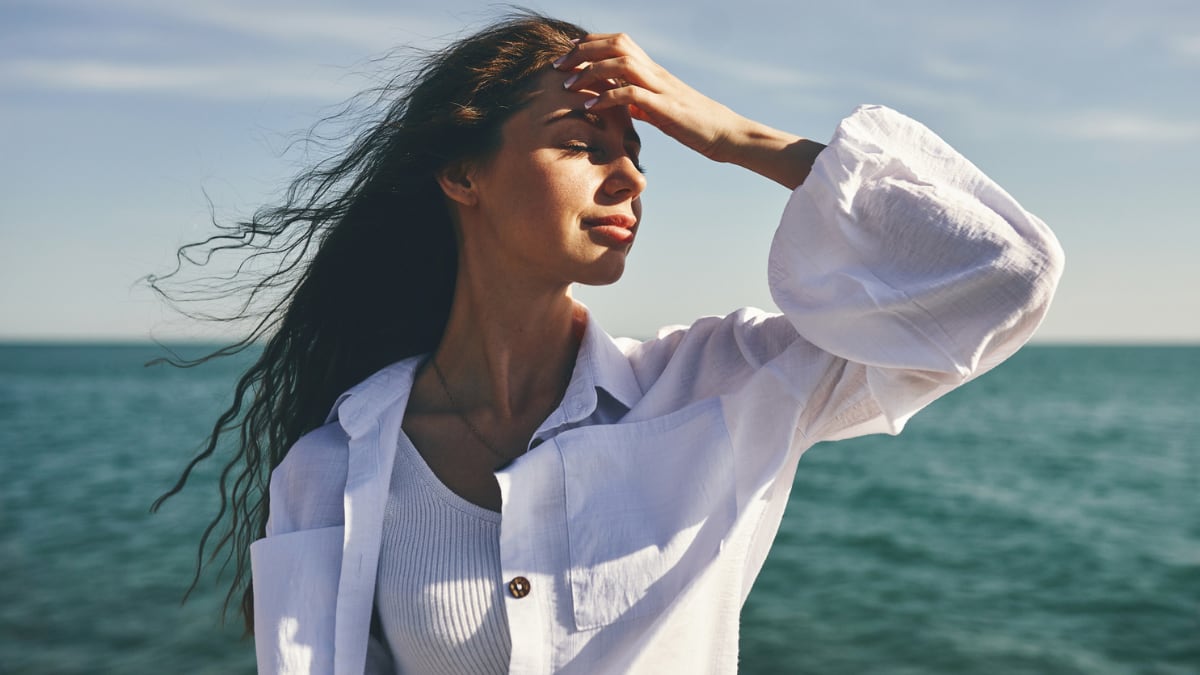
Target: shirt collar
[360, 406]
[600, 364]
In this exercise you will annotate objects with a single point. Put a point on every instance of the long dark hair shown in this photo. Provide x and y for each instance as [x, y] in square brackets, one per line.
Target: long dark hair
[361, 266]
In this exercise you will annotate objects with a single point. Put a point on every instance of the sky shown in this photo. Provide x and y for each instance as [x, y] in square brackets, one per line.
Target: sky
[123, 122]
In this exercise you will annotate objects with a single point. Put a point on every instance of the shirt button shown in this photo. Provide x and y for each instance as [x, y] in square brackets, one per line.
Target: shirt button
[519, 587]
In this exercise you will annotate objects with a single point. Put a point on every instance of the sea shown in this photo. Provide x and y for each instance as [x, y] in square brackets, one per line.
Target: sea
[1043, 519]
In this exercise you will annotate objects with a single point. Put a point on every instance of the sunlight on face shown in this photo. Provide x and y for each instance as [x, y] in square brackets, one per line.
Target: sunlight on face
[559, 201]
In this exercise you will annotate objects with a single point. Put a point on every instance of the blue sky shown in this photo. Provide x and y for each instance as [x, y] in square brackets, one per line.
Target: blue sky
[117, 118]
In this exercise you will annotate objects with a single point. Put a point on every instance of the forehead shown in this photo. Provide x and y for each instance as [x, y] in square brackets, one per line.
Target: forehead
[548, 102]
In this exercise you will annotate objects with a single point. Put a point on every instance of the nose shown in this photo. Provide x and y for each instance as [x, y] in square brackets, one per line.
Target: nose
[624, 180]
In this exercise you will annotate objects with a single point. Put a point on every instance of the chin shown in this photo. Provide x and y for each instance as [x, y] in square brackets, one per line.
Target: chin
[603, 272]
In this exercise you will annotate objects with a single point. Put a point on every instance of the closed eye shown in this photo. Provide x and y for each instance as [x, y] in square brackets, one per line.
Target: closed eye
[584, 148]
[581, 148]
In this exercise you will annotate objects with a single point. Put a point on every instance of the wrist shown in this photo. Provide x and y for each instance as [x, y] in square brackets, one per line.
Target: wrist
[744, 140]
[781, 156]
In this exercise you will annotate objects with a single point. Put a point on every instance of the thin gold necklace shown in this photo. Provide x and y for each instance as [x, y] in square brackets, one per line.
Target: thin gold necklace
[462, 416]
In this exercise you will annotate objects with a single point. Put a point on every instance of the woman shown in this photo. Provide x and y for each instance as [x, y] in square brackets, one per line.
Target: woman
[519, 492]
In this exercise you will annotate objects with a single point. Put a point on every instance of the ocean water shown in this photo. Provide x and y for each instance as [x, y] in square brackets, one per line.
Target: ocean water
[1044, 519]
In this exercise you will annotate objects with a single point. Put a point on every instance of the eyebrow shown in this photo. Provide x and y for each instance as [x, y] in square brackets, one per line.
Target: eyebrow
[592, 119]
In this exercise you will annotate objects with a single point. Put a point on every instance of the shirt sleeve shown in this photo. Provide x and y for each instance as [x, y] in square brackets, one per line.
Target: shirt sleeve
[902, 260]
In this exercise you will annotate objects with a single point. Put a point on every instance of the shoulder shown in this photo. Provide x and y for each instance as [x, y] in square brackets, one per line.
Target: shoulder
[715, 355]
[308, 485]
[322, 448]
[746, 337]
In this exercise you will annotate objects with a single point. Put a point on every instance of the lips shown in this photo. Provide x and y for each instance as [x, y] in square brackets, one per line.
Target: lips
[617, 228]
[617, 220]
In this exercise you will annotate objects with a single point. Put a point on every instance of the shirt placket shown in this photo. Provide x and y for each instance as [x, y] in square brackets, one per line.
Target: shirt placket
[533, 536]
[531, 531]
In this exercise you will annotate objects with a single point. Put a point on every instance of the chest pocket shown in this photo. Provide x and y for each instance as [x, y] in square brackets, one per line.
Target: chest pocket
[649, 505]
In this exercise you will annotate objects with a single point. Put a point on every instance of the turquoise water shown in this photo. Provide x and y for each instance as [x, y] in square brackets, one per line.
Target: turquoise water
[1045, 519]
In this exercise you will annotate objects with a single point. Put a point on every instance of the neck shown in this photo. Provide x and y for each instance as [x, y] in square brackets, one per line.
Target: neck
[510, 347]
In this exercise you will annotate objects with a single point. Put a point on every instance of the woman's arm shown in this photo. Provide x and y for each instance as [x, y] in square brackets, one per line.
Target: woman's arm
[659, 98]
[896, 255]
[784, 158]
[901, 269]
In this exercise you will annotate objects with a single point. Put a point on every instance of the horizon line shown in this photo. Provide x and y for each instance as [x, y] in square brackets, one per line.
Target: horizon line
[129, 341]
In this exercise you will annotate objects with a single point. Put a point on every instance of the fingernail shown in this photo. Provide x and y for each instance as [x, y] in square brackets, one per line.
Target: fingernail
[587, 105]
[570, 81]
[575, 41]
[560, 60]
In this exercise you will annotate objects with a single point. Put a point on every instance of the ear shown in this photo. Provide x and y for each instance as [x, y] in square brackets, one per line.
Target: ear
[457, 184]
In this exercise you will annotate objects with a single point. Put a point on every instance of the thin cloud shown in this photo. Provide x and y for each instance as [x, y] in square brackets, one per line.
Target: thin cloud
[1186, 47]
[953, 71]
[289, 22]
[227, 81]
[741, 70]
[369, 30]
[1104, 125]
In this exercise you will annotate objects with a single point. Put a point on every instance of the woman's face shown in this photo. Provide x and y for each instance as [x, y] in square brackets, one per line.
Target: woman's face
[559, 200]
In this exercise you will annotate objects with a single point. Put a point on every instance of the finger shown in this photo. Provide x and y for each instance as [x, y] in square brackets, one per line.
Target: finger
[627, 95]
[568, 61]
[622, 69]
[597, 46]
[646, 106]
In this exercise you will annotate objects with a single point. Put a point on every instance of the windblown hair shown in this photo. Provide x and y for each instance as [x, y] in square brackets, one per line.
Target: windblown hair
[361, 262]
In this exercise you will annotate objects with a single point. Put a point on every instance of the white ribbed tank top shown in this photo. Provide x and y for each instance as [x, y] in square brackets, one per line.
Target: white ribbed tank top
[439, 590]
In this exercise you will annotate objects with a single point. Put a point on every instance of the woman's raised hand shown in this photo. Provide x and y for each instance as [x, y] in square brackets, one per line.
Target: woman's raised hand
[652, 94]
[616, 67]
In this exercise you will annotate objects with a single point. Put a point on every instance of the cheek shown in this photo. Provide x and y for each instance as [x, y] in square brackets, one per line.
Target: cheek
[565, 192]
[543, 194]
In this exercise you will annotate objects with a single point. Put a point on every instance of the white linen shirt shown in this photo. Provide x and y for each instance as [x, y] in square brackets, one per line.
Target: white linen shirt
[902, 272]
